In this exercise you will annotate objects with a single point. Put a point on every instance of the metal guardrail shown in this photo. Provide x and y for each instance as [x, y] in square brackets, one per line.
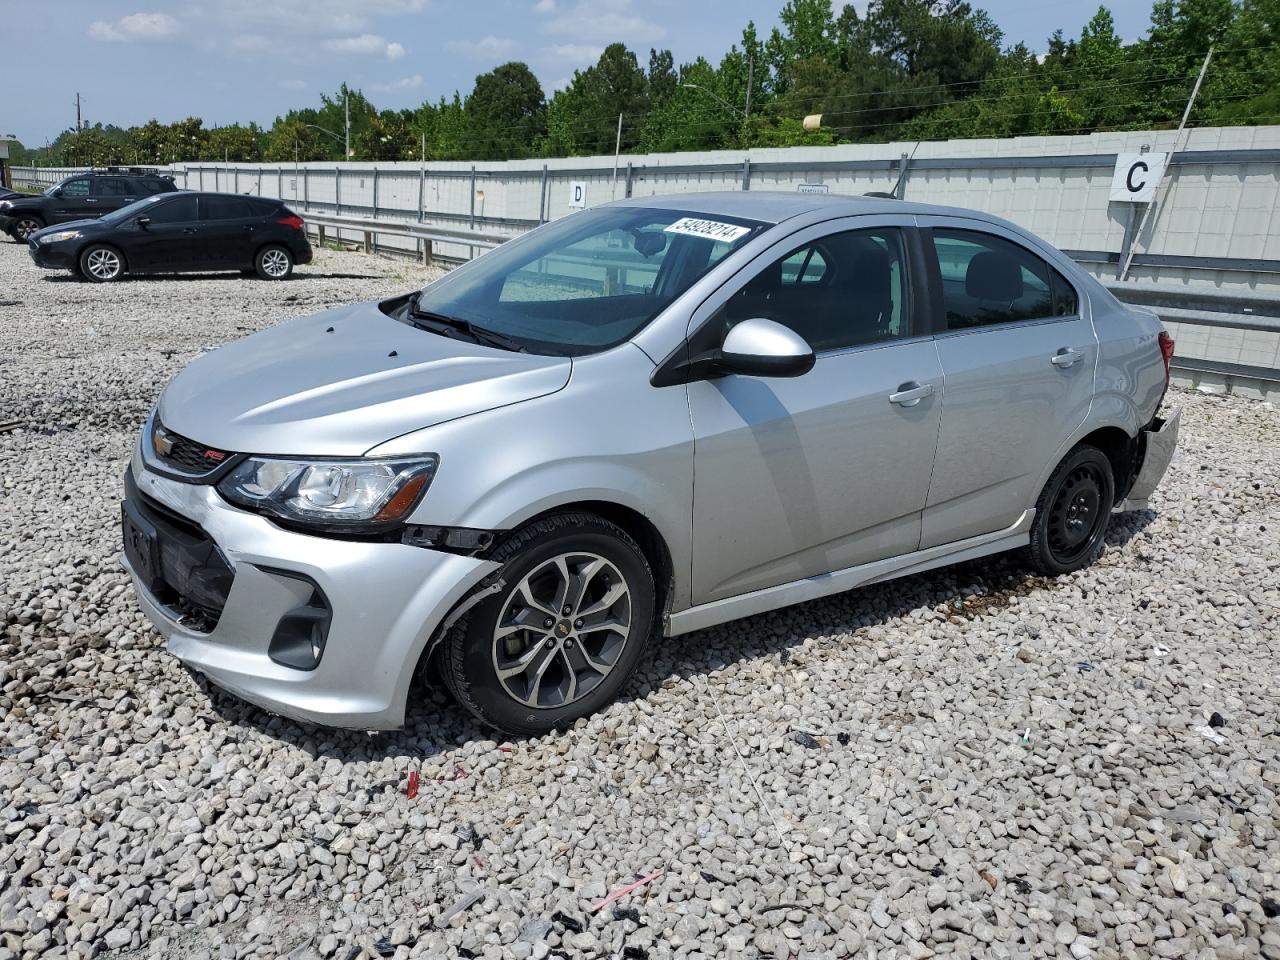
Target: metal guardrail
[424, 234]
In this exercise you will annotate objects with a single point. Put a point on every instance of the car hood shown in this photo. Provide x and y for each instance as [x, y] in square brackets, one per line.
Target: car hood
[92, 225]
[20, 203]
[343, 381]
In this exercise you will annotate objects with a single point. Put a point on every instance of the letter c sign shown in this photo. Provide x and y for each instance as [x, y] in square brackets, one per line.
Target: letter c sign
[1136, 176]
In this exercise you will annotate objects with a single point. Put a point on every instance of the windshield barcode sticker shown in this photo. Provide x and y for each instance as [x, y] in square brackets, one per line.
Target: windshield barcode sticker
[708, 229]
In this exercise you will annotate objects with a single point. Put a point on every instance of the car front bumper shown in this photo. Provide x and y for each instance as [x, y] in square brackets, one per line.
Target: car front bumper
[386, 601]
[1158, 445]
[52, 256]
[6, 224]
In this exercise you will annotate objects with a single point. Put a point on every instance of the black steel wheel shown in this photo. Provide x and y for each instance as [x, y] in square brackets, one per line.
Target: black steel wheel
[1072, 513]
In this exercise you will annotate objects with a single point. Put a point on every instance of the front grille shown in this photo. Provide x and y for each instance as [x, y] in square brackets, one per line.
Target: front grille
[183, 454]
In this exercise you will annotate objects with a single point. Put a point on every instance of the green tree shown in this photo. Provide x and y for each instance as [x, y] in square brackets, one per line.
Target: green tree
[583, 118]
[234, 143]
[506, 113]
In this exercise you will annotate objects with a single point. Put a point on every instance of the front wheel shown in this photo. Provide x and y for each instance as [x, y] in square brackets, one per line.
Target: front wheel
[564, 633]
[24, 227]
[273, 263]
[101, 264]
[1072, 513]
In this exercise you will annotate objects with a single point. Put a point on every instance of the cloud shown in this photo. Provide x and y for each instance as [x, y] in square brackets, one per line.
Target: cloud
[311, 16]
[366, 45]
[249, 44]
[545, 6]
[135, 26]
[399, 86]
[483, 49]
[294, 84]
[604, 21]
[575, 52]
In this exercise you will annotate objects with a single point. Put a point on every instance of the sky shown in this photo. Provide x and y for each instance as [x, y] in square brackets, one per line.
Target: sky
[232, 61]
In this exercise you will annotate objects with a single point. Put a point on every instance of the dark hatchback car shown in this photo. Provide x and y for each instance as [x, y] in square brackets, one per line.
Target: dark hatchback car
[75, 198]
[178, 233]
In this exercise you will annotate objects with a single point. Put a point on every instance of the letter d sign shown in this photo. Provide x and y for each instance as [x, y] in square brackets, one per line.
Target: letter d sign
[578, 193]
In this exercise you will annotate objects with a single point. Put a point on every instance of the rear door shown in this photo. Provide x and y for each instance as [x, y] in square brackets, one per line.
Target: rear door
[111, 193]
[72, 202]
[171, 238]
[227, 228]
[1018, 358]
[798, 477]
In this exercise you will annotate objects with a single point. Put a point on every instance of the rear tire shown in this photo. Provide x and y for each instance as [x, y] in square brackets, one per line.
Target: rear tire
[101, 264]
[274, 263]
[1073, 513]
[24, 227]
[563, 635]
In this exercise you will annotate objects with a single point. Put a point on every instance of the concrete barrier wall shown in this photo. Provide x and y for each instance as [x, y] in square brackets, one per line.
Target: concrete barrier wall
[1218, 224]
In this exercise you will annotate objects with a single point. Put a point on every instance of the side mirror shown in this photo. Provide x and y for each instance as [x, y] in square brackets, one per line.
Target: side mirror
[143, 222]
[764, 348]
[57, 192]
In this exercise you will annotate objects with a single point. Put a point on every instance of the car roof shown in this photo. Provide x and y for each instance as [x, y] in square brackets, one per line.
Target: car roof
[774, 206]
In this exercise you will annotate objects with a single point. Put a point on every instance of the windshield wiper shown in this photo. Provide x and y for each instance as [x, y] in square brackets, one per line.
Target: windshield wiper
[440, 323]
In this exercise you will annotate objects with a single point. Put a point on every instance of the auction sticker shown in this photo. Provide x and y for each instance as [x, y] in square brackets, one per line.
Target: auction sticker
[708, 229]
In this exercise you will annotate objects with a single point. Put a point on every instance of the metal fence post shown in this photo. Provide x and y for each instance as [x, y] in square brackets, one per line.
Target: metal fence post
[337, 192]
[471, 251]
[904, 171]
[542, 197]
[422, 192]
[629, 171]
[746, 173]
[306, 193]
[375, 193]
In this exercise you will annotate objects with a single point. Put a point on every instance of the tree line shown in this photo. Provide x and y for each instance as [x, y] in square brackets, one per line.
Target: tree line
[906, 70]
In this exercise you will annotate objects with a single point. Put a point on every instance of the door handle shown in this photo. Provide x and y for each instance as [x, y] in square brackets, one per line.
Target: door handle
[911, 393]
[248, 226]
[189, 230]
[1065, 357]
[90, 200]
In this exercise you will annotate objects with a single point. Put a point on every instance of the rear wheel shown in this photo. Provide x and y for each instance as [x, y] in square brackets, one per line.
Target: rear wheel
[1072, 513]
[273, 263]
[24, 227]
[562, 636]
[101, 264]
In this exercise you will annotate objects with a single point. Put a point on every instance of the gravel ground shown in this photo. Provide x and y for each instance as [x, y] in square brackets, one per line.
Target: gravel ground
[971, 762]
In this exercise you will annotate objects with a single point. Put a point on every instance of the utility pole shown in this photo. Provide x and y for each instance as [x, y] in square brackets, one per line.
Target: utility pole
[746, 113]
[346, 111]
[79, 127]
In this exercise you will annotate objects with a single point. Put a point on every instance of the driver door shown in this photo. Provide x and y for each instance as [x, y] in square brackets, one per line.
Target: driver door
[73, 202]
[171, 240]
[799, 477]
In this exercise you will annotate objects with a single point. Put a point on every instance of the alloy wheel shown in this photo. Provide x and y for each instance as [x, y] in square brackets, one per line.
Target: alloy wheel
[275, 263]
[25, 228]
[562, 630]
[103, 264]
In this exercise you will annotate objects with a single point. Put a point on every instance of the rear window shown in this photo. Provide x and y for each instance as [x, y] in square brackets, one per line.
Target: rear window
[224, 208]
[989, 280]
[265, 208]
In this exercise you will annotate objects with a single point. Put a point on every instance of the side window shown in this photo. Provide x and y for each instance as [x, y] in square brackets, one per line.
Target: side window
[1065, 301]
[264, 208]
[111, 187]
[179, 210]
[224, 208]
[989, 280]
[76, 188]
[844, 290]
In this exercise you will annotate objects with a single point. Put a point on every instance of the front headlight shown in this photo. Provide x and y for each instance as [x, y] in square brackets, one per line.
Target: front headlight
[5, 204]
[60, 236]
[342, 494]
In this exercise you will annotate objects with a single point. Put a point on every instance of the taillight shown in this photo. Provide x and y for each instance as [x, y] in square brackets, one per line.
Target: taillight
[1166, 351]
[295, 221]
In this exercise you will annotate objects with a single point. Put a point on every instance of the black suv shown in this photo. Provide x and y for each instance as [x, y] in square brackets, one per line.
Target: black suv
[81, 197]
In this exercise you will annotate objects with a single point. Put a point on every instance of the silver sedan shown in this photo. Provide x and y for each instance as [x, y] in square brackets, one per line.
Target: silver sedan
[646, 418]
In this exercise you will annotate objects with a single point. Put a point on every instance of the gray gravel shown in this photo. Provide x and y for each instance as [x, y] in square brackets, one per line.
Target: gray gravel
[971, 762]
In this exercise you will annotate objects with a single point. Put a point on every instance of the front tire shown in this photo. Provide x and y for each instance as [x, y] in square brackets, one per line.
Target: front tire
[1072, 513]
[101, 264]
[24, 227]
[564, 633]
[273, 263]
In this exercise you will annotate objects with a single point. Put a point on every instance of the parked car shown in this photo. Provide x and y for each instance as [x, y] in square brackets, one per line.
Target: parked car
[650, 417]
[179, 232]
[77, 198]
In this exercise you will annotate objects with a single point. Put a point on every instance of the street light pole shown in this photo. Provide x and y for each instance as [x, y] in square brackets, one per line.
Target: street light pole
[346, 112]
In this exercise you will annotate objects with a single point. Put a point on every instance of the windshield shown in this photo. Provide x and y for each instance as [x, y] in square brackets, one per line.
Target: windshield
[587, 282]
[124, 213]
